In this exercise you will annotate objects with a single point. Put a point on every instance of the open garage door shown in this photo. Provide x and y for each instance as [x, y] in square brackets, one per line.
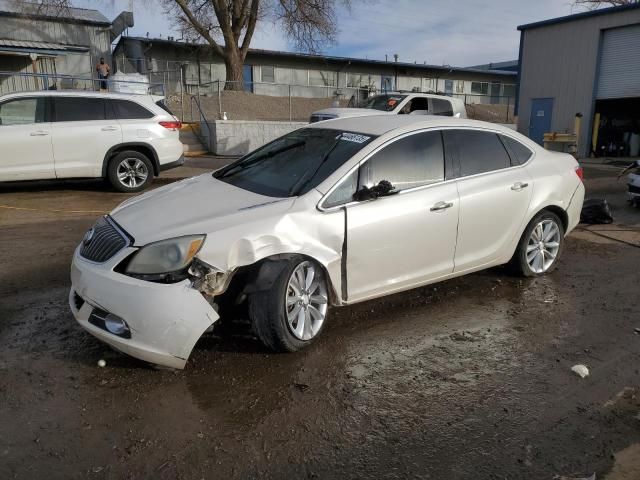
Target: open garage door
[620, 63]
[617, 115]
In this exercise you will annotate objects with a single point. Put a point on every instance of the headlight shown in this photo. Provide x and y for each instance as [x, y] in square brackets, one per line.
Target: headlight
[165, 256]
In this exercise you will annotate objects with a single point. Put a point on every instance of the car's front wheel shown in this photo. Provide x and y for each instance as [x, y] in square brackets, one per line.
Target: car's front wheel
[540, 246]
[290, 315]
[130, 171]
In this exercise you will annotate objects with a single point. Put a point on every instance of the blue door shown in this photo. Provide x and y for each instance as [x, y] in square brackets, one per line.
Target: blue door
[247, 75]
[540, 121]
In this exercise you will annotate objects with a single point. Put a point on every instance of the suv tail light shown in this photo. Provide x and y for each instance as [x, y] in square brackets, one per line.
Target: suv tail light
[173, 125]
[580, 173]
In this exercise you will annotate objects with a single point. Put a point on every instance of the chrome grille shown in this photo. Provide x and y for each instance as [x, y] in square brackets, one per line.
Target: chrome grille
[103, 241]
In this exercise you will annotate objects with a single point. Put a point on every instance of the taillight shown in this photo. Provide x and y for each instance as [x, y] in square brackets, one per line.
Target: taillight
[173, 125]
[580, 173]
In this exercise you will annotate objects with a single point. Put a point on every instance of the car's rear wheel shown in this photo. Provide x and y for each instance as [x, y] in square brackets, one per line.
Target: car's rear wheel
[292, 313]
[130, 171]
[540, 246]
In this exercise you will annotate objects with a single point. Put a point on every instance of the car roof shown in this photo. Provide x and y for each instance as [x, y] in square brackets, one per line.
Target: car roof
[381, 124]
[81, 93]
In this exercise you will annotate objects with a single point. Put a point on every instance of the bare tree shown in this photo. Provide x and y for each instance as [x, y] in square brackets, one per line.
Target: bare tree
[228, 26]
[593, 4]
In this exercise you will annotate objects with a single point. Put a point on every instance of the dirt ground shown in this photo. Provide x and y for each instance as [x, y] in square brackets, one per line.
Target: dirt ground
[249, 106]
[467, 379]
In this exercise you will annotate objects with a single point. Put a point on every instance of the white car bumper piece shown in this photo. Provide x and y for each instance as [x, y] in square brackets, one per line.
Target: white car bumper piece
[165, 320]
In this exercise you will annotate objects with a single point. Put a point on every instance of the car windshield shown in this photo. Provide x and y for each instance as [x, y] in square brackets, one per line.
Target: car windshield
[294, 164]
[386, 103]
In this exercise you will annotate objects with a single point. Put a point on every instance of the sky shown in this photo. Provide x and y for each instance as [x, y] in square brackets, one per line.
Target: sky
[438, 32]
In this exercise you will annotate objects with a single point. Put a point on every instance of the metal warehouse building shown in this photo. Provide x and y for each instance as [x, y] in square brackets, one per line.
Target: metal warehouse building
[588, 64]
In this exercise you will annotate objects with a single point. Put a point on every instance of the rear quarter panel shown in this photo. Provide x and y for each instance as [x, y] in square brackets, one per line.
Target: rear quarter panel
[555, 181]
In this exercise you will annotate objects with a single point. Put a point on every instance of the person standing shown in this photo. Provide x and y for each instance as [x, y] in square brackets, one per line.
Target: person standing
[103, 73]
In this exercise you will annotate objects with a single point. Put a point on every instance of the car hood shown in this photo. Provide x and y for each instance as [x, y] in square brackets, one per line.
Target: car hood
[350, 112]
[196, 205]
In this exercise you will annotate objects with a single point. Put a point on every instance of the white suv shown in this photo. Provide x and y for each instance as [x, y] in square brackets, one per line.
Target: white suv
[398, 103]
[125, 138]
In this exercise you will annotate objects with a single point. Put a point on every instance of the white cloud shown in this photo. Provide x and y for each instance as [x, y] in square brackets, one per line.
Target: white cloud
[462, 32]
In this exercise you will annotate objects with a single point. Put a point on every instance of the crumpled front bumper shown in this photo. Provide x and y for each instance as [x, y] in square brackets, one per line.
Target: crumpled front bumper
[166, 320]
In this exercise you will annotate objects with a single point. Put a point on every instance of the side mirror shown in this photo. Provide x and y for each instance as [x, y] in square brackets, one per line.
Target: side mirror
[382, 189]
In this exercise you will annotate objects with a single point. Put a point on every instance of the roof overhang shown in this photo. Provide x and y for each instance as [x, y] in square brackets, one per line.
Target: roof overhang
[326, 59]
[580, 16]
[24, 47]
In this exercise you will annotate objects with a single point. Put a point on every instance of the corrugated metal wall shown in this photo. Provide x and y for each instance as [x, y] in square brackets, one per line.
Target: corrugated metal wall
[560, 61]
[95, 37]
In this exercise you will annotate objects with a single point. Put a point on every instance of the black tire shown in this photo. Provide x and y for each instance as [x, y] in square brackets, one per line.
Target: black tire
[267, 310]
[519, 261]
[129, 156]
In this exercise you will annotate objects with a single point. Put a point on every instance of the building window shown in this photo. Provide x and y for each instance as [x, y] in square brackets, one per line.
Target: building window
[319, 78]
[357, 80]
[268, 74]
[460, 86]
[428, 84]
[480, 88]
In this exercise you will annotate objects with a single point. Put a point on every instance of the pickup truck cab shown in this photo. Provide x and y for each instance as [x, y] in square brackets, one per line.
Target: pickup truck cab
[401, 103]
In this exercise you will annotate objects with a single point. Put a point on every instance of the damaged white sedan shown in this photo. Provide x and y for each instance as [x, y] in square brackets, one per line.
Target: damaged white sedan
[329, 215]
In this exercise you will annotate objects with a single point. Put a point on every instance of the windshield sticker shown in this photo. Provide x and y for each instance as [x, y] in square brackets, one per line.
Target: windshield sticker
[354, 137]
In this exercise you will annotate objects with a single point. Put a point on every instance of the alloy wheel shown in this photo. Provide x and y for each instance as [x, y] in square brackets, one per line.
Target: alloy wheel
[306, 301]
[132, 172]
[543, 246]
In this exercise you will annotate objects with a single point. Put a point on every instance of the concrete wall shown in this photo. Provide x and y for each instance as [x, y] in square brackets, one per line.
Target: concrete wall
[238, 137]
[560, 61]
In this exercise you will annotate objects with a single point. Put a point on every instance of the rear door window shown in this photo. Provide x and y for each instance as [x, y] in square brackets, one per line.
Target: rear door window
[441, 107]
[128, 110]
[518, 152]
[409, 162]
[476, 151]
[78, 109]
[22, 111]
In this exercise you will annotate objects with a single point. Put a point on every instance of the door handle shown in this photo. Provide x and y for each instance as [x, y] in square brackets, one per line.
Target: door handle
[109, 129]
[441, 206]
[516, 187]
[39, 133]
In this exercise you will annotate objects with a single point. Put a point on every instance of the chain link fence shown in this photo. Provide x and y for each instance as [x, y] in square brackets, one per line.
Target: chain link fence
[283, 102]
[246, 101]
[13, 82]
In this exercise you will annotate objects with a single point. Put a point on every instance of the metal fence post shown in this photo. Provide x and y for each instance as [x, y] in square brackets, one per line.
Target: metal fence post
[182, 95]
[508, 106]
[219, 99]
[290, 116]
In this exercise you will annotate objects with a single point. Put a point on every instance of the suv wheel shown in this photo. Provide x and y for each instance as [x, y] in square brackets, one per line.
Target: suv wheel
[540, 246]
[291, 314]
[130, 171]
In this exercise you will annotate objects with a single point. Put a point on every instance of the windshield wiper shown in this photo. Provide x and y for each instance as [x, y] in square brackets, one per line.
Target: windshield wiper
[295, 189]
[243, 165]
